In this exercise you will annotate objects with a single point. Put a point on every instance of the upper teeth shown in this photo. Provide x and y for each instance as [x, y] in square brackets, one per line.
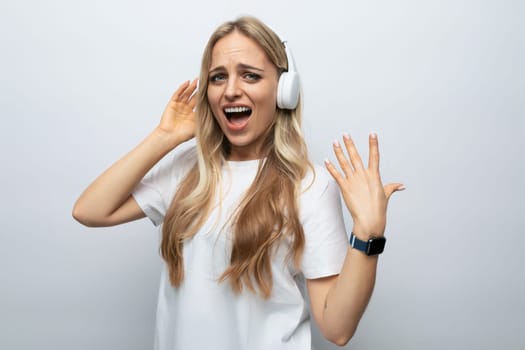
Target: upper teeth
[236, 109]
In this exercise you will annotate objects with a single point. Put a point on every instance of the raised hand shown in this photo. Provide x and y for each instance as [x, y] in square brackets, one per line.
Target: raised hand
[363, 192]
[178, 118]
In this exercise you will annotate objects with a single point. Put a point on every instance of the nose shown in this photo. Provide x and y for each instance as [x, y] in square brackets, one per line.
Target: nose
[233, 89]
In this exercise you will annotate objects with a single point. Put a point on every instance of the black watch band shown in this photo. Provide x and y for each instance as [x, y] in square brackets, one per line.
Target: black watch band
[374, 246]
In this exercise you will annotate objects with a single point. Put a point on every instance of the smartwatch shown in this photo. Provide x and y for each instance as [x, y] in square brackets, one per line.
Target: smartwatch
[374, 246]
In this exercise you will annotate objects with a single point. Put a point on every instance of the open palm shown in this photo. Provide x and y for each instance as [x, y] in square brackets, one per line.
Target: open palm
[179, 115]
[363, 192]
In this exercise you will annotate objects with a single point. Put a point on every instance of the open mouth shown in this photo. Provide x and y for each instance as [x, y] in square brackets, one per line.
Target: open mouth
[237, 115]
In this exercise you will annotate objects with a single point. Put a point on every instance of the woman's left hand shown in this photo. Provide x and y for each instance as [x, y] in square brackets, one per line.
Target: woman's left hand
[363, 192]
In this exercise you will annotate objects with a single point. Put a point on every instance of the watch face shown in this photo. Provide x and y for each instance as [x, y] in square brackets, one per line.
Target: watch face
[376, 245]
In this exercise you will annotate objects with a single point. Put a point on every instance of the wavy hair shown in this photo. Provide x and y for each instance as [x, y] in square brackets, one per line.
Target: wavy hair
[269, 211]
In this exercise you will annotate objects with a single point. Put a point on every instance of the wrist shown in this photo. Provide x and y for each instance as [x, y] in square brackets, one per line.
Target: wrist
[165, 140]
[364, 233]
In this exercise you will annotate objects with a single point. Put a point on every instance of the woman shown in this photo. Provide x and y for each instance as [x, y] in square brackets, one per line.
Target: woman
[249, 225]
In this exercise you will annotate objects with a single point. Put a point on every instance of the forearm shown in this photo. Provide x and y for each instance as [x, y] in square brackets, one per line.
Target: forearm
[348, 297]
[113, 187]
[366, 198]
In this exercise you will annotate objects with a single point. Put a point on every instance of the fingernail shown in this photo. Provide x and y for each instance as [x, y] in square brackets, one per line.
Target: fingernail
[327, 161]
[401, 188]
[373, 135]
[336, 143]
[346, 136]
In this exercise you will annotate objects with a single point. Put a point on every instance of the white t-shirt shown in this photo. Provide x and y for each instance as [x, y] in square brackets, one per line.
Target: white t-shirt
[205, 314]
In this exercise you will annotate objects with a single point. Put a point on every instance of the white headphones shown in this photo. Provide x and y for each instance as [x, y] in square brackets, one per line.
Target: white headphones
[288, 88]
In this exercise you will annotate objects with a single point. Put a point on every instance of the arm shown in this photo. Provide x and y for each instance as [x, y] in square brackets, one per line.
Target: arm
[338, 302]
[108, 200]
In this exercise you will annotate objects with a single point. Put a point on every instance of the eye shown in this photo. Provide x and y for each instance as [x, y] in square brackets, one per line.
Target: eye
[252, 76]
[216, 78]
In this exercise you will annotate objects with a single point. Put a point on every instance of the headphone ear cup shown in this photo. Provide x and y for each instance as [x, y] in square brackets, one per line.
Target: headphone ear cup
[288, 90]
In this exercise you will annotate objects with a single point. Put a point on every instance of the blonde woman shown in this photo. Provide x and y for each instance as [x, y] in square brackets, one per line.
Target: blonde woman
[249, 225]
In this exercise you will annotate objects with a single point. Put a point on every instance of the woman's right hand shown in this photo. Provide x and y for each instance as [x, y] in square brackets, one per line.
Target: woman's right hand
[108, 200]
[178, 119]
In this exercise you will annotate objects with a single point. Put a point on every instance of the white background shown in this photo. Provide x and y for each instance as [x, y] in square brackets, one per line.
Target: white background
[441, 82]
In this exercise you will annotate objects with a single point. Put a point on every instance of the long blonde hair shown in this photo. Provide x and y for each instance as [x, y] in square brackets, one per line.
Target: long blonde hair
[269, 210]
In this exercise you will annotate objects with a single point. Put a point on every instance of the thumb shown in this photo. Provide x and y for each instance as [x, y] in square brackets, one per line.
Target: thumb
[391, 188]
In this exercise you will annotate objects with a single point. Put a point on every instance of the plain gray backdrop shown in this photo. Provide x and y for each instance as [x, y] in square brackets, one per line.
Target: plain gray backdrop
[441, 82]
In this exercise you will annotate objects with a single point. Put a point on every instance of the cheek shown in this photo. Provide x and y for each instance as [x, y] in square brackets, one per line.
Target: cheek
[271, 100]
[213, 100]
[266, 96]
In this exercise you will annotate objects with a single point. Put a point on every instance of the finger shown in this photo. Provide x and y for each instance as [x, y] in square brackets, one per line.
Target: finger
[373, 155]
[333, 171]
[191, 90]
[180, 90]
[192, 101]
[393, 187]
[188, 92]
[341, 158]
[355, 158]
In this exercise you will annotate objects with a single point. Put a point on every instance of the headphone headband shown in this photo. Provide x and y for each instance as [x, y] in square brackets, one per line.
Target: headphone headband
[289, 57]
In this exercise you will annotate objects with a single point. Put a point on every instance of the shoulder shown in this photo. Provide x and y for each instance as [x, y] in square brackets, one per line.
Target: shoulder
[173, 167]
[185, 154]
[319, 193]
[323, 223]
[316, 182]
[179, 161]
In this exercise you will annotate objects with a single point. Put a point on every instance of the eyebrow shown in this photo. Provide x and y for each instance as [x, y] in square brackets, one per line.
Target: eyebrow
[240, 65]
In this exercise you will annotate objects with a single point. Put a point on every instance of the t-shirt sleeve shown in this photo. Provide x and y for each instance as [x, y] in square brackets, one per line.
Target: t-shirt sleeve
[326, 240]
[155, 191]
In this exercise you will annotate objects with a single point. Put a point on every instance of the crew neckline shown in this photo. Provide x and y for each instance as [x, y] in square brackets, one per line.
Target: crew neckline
[243, 163]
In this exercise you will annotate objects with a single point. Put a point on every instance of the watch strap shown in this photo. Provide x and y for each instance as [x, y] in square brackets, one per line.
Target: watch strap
[358, 244]
[374, 246]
